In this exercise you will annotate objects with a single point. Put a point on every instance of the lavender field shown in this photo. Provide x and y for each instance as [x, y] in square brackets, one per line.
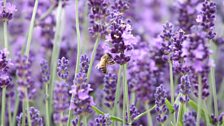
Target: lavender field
[112, 62]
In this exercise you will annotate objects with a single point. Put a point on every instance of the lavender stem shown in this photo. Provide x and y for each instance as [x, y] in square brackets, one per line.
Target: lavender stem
[30, 33]
[213, 82]
[149, 117]
[78, 54]
[199, 99]
[117, 96]
[9, 111]
[93, 57]
[27, 108]
[56, 49]
[47, 106]
[126, 98]
[78, 36]
[3, 106]
[15, 108]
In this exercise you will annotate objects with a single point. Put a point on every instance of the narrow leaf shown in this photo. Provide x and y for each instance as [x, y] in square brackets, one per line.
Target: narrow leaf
[98, 111]
[169, 106]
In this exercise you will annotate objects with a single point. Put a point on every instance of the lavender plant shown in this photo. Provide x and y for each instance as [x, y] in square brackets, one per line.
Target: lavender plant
[148, 73]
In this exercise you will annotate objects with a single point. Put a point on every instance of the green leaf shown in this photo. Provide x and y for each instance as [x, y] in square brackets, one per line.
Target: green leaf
[169, 106]
[114, 118]
[202, 112]
[143, 114]
[98, 111]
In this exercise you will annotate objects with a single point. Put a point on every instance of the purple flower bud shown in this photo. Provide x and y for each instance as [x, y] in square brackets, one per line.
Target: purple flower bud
[36, 119]
[45, 71]
[189, 119]
[110, 81]
[84, 64]
[62, 68]
[82, 101]
[7, 12]
[103, 120]
[185, 88]
[161, 109]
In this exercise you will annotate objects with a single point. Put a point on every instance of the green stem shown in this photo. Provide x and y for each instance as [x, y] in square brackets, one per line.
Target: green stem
[171, 81]
[30, 33]
[61, 116]
[206, 115]
[47, 106]
[118, 90]
[221, 90]
[178, 114]
[85, 120]
[3, 106]
[93, 57]
[27, 108]
[9, 111]
[172, 87]
[144, 113]
[5, 29]
[149, 117]
[212, 77]
[24, 111]
[15, 109]
[56, 50]
[199, 99]
[126, 93]
[5, 34]
[78, 36]
[212, 74]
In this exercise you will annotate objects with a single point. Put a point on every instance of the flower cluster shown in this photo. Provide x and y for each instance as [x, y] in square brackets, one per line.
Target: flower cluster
[7, 11]
[190, 119]
[84, 63]
[61, 102]
[121, 38]
[207, 18]
[36, 119]
[25, 80]
[185, 88]
[5, 79]
[110, 81]
[45, 71]
[161, 109]
[98, 13]
[82, 101]
[103, 120]
[62, 69]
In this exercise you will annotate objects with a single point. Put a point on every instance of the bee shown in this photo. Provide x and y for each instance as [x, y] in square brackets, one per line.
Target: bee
[105, 60]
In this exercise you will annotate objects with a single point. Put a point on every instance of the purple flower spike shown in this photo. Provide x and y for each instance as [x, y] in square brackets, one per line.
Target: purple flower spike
[36, 119]
[7, 12]
[110, 81]
[82, 101]
[161, 109]
[45, 71]
[61, 101]
[208, 18]
[185, 88]
[5, 79]
[62, 69]
[103, 120]
[84, 64]
[190, 119]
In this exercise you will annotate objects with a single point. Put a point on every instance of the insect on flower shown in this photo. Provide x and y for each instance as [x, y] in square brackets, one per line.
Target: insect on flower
[105, 60]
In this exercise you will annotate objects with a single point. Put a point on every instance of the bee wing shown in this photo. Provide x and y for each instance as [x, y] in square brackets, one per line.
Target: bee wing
[111, 62]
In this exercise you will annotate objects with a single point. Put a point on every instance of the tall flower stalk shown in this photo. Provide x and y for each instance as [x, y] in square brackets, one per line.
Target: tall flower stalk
[56, 49]
[93, 57]
[27, 51]
[199, 100]
[4, 87]
[78, 55]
